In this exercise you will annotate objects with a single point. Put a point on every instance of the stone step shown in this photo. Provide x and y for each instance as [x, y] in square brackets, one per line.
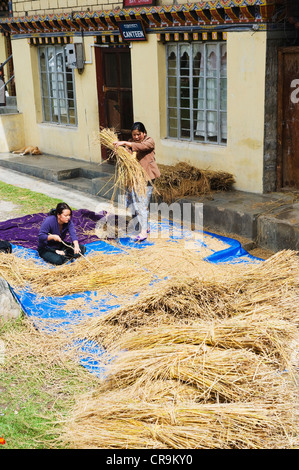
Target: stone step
[104, 187]
[8, 110]
[79, 183]
[11, 106]
[56, 169]
[34, 169]
[101, 186]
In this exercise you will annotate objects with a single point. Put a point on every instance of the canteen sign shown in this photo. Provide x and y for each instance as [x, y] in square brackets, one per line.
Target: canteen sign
[132, 30]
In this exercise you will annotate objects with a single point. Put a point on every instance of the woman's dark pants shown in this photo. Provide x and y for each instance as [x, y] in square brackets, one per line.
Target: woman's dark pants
[54, 258]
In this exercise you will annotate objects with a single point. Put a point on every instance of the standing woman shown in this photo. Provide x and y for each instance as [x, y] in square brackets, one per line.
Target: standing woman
[144, 146]
[52, 233]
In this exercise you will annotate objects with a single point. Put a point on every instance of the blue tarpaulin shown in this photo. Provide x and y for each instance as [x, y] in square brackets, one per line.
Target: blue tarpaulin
[54, 308]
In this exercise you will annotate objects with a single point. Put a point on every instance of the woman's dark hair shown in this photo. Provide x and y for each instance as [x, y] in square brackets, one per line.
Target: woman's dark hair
[61, 206]
[138, 126]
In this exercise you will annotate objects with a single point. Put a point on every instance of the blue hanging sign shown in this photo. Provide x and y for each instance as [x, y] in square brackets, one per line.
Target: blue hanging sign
[132, 30]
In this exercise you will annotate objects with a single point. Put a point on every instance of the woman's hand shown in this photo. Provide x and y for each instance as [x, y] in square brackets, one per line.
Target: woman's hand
[60, 252]
[122, 143]
[76, 247]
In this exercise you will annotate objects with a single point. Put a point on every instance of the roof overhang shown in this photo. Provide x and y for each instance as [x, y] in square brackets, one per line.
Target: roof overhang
[155, 18]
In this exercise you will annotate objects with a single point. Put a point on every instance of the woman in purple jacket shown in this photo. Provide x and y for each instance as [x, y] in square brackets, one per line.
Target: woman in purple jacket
[52, 234]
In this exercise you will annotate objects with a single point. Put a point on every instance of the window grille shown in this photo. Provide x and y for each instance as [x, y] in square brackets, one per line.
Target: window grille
[197, 92]
[57, 86]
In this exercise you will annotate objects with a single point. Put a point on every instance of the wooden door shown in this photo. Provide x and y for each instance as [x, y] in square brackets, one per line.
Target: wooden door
[288, 119]
[114, 81]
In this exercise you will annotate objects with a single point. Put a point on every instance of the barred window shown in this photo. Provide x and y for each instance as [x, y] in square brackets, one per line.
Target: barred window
[57, 86]
[197, 92]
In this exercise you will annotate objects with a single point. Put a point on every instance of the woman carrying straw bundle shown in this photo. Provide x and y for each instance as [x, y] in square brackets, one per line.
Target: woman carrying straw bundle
[144, 147]
[51, 245]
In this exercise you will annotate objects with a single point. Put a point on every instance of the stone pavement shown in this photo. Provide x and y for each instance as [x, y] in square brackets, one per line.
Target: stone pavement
[269, 221]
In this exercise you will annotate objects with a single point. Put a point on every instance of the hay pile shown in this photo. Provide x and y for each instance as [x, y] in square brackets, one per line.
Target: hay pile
[98, 272]
[197, 364]
[183, 180]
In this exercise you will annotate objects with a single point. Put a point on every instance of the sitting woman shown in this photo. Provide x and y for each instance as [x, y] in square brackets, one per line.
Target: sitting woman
[52, 234]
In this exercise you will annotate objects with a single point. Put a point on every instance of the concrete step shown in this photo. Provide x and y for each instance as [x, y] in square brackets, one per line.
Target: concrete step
[79, 183]
[104, 187]
[55, 169]
[32, 168]
[8, 110]
[270, 221]
[101, 186]
[279, 230]
[11, 106]
[90, 178]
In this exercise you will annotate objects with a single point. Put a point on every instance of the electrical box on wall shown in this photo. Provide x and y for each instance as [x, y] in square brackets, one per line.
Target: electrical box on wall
[75, 56]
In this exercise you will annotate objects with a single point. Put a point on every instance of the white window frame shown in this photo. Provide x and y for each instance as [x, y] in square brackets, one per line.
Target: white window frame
[184, 113]
[57, 86]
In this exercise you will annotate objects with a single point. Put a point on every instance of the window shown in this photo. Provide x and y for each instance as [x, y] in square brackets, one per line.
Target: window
[197, 92]
[57, 86]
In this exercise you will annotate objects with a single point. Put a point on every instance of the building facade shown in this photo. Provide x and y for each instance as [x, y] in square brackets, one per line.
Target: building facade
[205, 78]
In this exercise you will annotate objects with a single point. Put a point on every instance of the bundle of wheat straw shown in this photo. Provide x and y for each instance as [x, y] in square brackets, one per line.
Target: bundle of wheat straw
[49, 349]
[17, 270]
[118, 421]
[274, 340]
[223, 375]
[98, 272]
[129, 174]
[183, 180]
[169, 302]
[196, 298]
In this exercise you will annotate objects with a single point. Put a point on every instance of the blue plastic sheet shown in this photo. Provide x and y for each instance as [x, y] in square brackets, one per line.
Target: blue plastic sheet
[48, 309]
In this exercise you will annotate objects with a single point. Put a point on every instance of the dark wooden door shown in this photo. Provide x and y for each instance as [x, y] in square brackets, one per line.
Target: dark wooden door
[288, 119]
[114, 81]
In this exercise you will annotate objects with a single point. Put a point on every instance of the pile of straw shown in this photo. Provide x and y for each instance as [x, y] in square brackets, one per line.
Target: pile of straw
[269, 290]
[129, 174]
[183, 180]
[118, 421]
[195, 361]
[197, 364]
[221, 375]
[98, 272]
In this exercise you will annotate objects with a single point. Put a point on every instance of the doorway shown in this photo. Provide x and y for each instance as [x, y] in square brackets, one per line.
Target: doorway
[288, 119]
[114, 81]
